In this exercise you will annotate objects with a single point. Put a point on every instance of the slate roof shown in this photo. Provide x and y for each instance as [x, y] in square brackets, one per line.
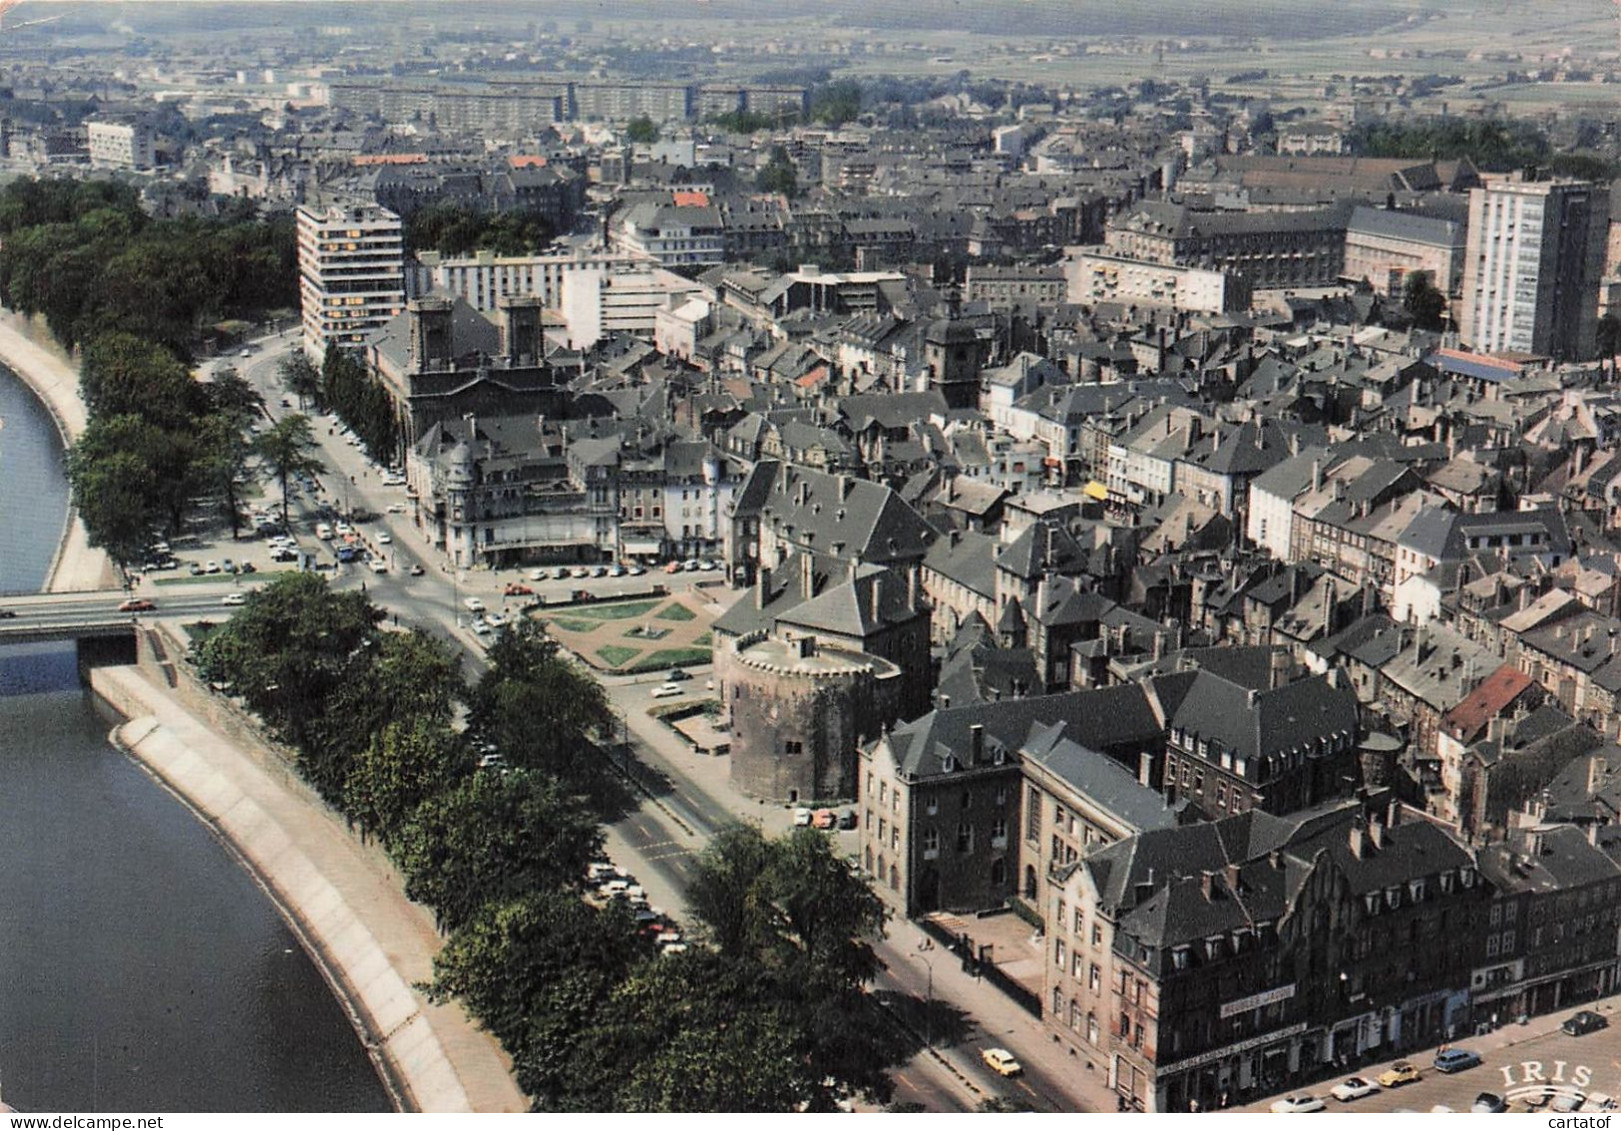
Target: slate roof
[853, 519]
[1104, 782]
[1269, 723]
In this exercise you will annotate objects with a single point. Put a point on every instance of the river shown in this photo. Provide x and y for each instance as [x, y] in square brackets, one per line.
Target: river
[141, 969]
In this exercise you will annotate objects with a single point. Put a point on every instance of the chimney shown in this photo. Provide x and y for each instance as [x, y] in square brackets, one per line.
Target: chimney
[1596, 769]
[1232, 878]
[1393, 813]
[762, 590]
[807, 576]
[1592, 833]
[875, 599]
[1207, 884]
[945, 702]
[847, 484]
[1279, 668]
[1145, 769]
[1316, 475]
[911, 588]
[1376, 834]
[1358, 839]
[976, 743]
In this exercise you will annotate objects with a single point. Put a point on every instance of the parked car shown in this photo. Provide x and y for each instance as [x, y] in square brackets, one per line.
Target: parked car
[673, 567]
[1402, 1072]
[1568, 1099]
[1584, 1022]
[378, 565]
[473, 604]
[580, 573]
[1304, 1102]
[599, 571]
[136, 605]
[802, 817]
[668, 690]
[516, 590]
[847, 819]
[1353, 1088]
[1002, 1062]
[824, 819]
[583, 596]
[417, 570]
[1456, 1060]
[637, 571]
[211, 566]
[1488, 1103]
[559, 573]
[677, 675]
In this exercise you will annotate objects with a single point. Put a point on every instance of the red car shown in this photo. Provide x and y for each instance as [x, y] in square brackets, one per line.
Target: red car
[136, 605]
[516, 590]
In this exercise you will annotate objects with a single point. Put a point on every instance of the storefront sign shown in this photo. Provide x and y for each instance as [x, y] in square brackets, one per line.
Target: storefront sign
[1256, 1001]
[1233, 1050]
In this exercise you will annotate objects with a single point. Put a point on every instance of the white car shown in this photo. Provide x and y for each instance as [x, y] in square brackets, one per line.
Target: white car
[473, 604]
[234, 599]
[396, 508]
[537, 575]
[1354, 1088]
[668, 690]
[385, 538]
[494, 620]
[1302, 1103]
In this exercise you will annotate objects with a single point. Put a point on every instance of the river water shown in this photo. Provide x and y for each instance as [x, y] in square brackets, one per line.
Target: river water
[141, 969]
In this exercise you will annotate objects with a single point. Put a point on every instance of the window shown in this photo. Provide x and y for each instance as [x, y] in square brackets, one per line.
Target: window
[999, 831]
[931, 842]
[883, 829]
[883, 792]
[965, 837]
[1032, 816]
[793, 748]
[1097, 935]
[1094, 978]
[1080, 923]
[967, 798]
[1060, 953]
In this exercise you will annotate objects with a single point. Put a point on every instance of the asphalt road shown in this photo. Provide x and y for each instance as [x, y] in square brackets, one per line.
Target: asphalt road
[1572, 1066]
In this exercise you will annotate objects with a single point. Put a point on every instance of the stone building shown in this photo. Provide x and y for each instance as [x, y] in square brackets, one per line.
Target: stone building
[798, 709]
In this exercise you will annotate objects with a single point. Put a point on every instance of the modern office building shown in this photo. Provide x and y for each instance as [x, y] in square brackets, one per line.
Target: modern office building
[1532, 267]
[351, 273]
[484, 277]
[121, 145]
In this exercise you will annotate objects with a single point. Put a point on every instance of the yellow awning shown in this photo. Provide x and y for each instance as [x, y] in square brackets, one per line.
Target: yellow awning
[1097, 490]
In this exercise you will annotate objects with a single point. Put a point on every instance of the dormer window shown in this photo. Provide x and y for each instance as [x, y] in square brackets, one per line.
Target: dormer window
[1212, 948]
[1466, 877]
[1371, 902]
[1393, 897]
[1415, 890]
[998, 756]
[948, 764]
[1180, 956]
[1446, 883]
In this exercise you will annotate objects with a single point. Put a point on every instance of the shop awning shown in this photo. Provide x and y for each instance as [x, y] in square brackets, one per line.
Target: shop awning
[1096, 490]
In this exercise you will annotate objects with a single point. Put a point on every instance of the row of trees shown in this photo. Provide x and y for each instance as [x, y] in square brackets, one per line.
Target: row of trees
[770, 1017]
[347, 387]
[453, 229]
[86, 256]
[1495, 144]
[158, 445]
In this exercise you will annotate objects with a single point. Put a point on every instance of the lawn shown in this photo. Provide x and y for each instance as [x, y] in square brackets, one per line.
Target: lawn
[622, 611]
[616, 654]
[210, 578]
[572, 624]
[675, 610]
[672, 658]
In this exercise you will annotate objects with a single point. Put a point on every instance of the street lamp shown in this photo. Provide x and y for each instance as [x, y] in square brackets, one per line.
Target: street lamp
[928, 1002]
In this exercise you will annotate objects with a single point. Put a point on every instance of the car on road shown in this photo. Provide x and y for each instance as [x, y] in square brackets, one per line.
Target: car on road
[616, 571]
[378, 565]
[417, 570]
[1402, 1072]
[1584, 1022]
[495, 620]
[559, 573]
[136, 605]
[673, 567]
[234, 599]
[1456, 1060]
[583, 596]
[580, 573]
[396, 508]
[678, 674]
[668, 690]
[385, 538]
[1002, 1062]
[1488, 1103]
[637, 571]
[709, 565]
[1353, 1088]
[516, 590]
[824, 819]
[691, 565]
[599, 571]
[323, 531]
[473, 604]
[802, 817]
[1303, 1102]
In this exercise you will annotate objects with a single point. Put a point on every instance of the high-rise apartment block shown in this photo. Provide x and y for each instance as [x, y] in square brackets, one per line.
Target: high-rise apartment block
[351, 273]
[1532, 267]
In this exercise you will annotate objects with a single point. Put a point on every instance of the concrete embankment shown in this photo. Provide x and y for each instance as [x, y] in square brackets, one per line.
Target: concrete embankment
[54, 378]
[343, 898]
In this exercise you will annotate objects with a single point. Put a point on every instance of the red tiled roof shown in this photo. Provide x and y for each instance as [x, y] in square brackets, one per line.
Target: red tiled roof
[527, 161]
[1468, 719]
[690, 199]
[814, 377]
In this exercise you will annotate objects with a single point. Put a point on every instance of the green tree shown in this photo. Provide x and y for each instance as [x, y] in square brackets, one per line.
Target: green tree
[221, 460]
[494, 836]
[289, 650]
[1422, 302]
[113, 490]
[641, 131]
[529, 679]
[122, 374]
[411, 759]
[301, 378]
[538, 970]
[288, 449]
[778, 174]
[837, 102]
